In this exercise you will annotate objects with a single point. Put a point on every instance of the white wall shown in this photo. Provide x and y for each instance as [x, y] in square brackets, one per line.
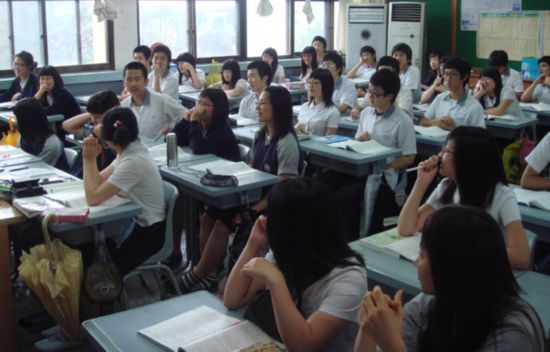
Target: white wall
[125, 32]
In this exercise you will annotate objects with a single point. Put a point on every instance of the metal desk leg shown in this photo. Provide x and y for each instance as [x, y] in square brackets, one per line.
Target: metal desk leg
[191, 218]
[7, 314]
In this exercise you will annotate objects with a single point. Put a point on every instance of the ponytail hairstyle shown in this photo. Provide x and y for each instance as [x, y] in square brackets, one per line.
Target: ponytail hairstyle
[120, 126]
[28, 59]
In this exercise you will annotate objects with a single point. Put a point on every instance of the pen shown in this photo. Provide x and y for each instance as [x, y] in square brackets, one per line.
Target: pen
[412, 169]
[19, 168]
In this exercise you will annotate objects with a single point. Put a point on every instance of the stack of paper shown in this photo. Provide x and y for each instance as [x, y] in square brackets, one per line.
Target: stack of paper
[432, 131]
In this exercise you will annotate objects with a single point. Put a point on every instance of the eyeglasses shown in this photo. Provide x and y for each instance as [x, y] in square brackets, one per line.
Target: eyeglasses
[204, 103]
[374, 94]
[311, 82]
[328, 66]
[451, 74]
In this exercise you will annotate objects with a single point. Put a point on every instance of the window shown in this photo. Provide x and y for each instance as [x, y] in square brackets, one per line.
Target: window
[59, 33]
[270, 31]
[303, 31]
[217, 28]
[165, 22]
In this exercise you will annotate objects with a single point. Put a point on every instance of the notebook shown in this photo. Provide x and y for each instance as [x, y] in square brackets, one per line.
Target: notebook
[391, 243]
[432, 131]
[367, 147]
[537, 199]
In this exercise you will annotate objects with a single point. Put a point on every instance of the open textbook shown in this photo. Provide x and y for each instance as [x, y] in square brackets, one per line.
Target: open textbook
[368, 147]
[536, 106]
[432, 131]
[392, 244]
[538, 199]
[501, 117]
[225, 167]
[75, 198]
[205, 329]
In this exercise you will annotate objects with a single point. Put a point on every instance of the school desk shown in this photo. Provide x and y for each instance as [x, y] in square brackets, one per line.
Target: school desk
[5, 117]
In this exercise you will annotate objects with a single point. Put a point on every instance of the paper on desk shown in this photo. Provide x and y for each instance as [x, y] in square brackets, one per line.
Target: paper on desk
[75, 198]
[502, 117]
[158, 153]
[536, 106]
[29, 173]
[224, 167]
[432, 131]
[408, 248]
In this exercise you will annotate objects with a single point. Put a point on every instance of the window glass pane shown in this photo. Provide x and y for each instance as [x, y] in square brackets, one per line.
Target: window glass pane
[62, 34]
[270, 31]
[217, 28]
[29, 39]
[93, 35]
[5, 50]
[304, 32]
[336, 14]
[165, 22]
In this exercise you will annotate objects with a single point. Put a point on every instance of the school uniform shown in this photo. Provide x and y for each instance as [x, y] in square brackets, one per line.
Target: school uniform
[541, 93]
[306, 76]
[410, 79]
[539, 158]
[188, 80]
[157, 112]
[465, 111]
[318, 117]
[505, 94]
[244, 86]
[512, 78]
[27, 89]
[247, 106]
[404, 101]
[344, 92]
[365, 72]
[279, 72]
[278, 155]
[61, 101]
[49, 149]
[168, 83]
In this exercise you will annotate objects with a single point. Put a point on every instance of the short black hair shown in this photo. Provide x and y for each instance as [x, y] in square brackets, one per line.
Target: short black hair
[320, 39]
[51, 71]
[161, 48]
[263, 69]
[102, 101]
[462, 66]
[368, 49]
[545, 59]
[187, 57]
[120, 126]
[498, 58]
[388, 81]
[235, 68]
[144, 49]
[336, 58]
[388, 61]
[404, 48]
[327, 84]
[134, 65]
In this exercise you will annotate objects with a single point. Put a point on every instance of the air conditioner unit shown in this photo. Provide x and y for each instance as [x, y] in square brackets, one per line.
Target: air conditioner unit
[367, 25]
[407, 25]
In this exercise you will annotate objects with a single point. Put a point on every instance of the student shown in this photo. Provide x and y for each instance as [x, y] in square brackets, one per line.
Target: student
[437, 85]
[232, 83]
[37, 136]
[189, 74]
[55, 98]
[319, 116]
[387, 125]
[495, 98]
[156, 113]
[142, 54]
[259, 77]
[510, 77]
[25, 83]
[433, 71]
[536, 175]
[206, 130]
[313, 278]
[366, 66]
[470, 298]
[409, 74]
[97, 106]
[455, 107]
[404, 99]
[272, 59]
[474, 176]
[539, 90]
[320, 45]
[344, 96]
[133, 174]
[161, 80]
[309, 62]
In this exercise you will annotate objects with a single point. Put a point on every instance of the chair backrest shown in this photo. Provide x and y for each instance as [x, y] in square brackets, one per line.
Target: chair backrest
[70, 155]
[243, 151]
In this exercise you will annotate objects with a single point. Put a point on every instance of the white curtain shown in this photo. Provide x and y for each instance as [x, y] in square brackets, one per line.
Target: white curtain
[343, 20]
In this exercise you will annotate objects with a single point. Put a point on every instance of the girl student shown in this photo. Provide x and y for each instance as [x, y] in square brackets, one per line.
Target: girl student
[470, 299]
[205, 130]
[474, 176]
[189, 74]
[132, 174]
[25, 83]
[231, 82]
[55, 98]
[312, 279]
[495, 98]
[319, 116]
[275, 150]
[272, 59]
[309, 62]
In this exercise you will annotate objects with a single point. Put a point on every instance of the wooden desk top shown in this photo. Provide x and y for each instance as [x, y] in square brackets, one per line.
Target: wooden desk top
[9, 215]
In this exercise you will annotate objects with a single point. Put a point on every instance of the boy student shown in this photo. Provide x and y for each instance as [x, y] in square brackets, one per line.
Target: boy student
[536, 175]
[455, 107]
[320, 45]
[156, 113]
[258, 75]
[366, 66]
[142, 54]
[539, 90]
[161, 80]
[344, 96]
[409, 74]
[510, 77]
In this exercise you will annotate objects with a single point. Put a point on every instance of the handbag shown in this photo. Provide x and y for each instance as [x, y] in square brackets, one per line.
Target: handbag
[209, 179]
[11, 137]
[247, 221]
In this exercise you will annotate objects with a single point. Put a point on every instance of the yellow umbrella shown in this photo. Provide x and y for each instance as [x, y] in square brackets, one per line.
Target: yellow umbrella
[54, 272]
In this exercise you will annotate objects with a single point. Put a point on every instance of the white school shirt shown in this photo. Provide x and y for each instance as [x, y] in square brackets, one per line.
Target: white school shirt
[464, 111]
[306, 76]
[504, 207]
[365, 72]
[168, 84]
[344, 92]
[244, 85]
[541, 93]
[188, 80]
[247, 107]
[394, 129]
[404, 101]
[279, 72]
[512, 78]
[138, 178]
[506, 93]
[318, 117]
[539, 158]
[157, 112]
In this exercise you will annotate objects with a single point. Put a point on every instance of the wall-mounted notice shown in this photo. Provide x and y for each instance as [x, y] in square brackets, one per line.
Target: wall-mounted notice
[470, 10]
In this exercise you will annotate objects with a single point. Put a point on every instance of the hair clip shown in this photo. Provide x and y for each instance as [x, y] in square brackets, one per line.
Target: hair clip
[117, 123]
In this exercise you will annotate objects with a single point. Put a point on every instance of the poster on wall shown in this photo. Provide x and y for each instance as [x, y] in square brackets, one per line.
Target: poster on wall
[470, 10]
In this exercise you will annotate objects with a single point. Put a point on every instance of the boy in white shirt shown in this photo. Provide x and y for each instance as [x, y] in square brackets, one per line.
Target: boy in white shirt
[539, 90]
[408, 74]
[536, 175]
[344, 96]
[258, 75]
[161, 80]
[510, 77]
[366, 66]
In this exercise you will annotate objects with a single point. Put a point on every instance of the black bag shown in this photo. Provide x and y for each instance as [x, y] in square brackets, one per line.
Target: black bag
[385, 206]
[209, 179]
[248, 218]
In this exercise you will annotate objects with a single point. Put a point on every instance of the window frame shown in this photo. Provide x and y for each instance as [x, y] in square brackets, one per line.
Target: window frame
[109, 65]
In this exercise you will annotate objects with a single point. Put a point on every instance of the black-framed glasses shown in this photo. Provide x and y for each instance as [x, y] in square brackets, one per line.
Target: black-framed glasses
[375, 94]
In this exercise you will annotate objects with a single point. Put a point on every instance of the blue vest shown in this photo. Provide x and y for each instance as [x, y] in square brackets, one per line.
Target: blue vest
[265, 156]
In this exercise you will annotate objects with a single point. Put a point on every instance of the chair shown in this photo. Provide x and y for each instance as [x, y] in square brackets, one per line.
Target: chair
[243, 151]
[304, 167]
[531, 242]
[154, 262]
[70, 155]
